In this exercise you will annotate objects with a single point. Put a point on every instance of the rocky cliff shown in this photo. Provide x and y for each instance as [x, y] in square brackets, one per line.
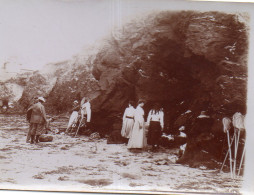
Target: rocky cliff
[187, 62]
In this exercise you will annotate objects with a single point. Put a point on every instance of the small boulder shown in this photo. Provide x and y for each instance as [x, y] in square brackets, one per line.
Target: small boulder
[46, 138]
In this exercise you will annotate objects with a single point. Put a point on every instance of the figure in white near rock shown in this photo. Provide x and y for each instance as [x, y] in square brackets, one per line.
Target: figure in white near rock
[137, 136]
[85, 114]
[128, 120]
[74, 116]
[85, 109]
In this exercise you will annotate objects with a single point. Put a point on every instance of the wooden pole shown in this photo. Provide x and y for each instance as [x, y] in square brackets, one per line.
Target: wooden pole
[241, 160]
[230, 156]
[79, 126]
[236, 148]
[227, 153]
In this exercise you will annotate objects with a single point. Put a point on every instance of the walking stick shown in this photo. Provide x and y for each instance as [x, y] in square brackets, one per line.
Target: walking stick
[226, 126]
[241, 160]
[70, 127]
[236, 148]
[79, 126]
[227, 153]
[230, 155]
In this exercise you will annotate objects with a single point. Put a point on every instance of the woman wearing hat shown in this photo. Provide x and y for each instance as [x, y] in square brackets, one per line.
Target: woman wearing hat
[137, 136]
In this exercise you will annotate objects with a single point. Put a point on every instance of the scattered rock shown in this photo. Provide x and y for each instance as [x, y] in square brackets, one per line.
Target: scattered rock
[130, 176]
[39, 176]
[46, 138]
[97, 182]
[94, 136]
[63, 178]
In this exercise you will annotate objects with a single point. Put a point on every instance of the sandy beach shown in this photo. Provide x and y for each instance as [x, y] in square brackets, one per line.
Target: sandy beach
[85, 164]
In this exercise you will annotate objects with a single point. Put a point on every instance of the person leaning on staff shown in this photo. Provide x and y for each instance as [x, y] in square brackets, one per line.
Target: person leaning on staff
[74, 116]
[155, 120]
[38, 119]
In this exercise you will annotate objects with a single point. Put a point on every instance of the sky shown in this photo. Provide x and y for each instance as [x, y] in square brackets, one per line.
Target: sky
[35, 32]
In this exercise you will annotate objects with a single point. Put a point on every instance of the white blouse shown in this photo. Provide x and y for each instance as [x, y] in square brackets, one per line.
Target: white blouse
[86, 109]
[158, 116]
[129, 112]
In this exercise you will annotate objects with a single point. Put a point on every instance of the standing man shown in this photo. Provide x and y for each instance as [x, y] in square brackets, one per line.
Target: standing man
[38, 119]
[28, 117]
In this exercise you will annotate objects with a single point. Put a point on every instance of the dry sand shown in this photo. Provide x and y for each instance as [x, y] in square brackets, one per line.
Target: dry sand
[81, 164]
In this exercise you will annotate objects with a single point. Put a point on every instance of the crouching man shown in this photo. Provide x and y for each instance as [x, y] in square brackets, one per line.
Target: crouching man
[38, 120]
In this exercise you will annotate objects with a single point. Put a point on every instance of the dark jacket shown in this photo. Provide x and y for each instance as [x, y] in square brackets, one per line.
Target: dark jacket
[38, 114]
[201, 125]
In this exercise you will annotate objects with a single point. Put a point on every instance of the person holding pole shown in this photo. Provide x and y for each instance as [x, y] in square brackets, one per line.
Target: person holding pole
[74, 116]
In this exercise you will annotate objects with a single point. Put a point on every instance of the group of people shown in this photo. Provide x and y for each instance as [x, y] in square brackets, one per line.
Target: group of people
[81, 115]
[135, 128]
[38, 123]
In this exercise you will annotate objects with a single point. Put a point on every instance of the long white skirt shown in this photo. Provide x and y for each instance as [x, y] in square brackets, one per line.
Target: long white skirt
[73, 119]
[127, 127]
[137, 137]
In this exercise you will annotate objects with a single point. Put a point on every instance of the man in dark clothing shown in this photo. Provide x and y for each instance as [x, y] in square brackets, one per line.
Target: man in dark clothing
[202, 124]
[28, 117]
[38, 119]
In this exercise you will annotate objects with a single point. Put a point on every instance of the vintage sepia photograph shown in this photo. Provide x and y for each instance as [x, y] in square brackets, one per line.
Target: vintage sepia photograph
[124, 96]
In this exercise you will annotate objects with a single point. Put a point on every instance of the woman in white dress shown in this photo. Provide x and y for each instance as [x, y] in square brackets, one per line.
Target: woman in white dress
[137, 136]
[85, 110]
[128, 120]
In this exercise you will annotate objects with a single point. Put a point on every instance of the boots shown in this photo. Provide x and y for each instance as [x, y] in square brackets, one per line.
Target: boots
[32, 139]
[37, 139]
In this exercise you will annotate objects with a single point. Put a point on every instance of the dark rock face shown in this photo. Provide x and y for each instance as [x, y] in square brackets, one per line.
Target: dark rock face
[37, 85]
[183, 60]
[189, 57]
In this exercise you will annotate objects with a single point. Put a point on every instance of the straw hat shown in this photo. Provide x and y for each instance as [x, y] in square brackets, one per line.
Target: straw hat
[42, 99]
